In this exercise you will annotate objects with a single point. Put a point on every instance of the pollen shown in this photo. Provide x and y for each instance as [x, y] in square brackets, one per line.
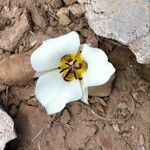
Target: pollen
[73, 66]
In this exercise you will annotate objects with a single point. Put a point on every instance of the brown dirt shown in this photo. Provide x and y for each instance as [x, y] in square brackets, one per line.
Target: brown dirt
[76, 127]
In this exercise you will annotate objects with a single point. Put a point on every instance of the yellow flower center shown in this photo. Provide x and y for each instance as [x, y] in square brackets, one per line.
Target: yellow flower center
[73, 66]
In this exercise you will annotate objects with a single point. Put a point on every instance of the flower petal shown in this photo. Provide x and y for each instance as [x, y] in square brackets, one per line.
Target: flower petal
[99, 69]
[48, 55]
[84, 92]
[85, 96]
[54, 93]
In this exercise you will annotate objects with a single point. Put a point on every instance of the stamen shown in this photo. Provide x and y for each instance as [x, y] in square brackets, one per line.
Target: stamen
[67, 74]
[74, 62]
[75, 75]
[64, 69]
[80, 66]
[73, 66]
[66, 80]
[68, 64]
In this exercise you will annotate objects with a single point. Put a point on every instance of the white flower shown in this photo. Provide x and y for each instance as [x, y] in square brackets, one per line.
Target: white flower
[65, 70]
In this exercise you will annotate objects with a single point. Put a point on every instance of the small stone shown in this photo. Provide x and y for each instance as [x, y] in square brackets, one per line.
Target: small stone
[56, 3]
[100, 100]
[63, 16]
[63, 10]
[32, 44]
[139, 96]
[119, 25]
[13, 111]
[69, 2]
[32, 102]
[29, 121]
[7, 132]
[82, 24]
[141, 140]
[38, 16]
[18, 29]
[122, 105]
[21, 48]
[49, 30]
[103, 90]
[86, 32]
[91, 39]
[64, 20]
[116, 127]
[76, 10]
[132, 127]
[65, 117]
[96, 105]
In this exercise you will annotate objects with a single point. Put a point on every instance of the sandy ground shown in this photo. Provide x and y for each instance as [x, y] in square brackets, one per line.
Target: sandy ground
[125, 101]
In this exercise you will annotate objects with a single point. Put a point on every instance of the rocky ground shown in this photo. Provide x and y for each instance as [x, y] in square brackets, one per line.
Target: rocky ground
[117, 118]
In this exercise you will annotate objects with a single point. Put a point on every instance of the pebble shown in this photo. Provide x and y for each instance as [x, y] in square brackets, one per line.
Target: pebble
[69, 2]
[116, 127]
[63, 10]
[7, 131]
[110, 25]
[64, 20]
[100, 100]
[139, 96]
[92, 39]
[86, 32]
[21, 48]
[18, 29]
[141, 140]
[56, 3]
[122, 105]
[76, 10]
[32, 102]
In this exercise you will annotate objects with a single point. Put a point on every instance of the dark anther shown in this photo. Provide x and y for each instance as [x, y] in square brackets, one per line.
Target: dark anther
[79, 67]
[59, 68]
[63, 57]
[80, 78]
[64, 69]
[66, 80]
[70, 59]
[75, 75]
[68, 64]
[67, 74]
[74, 62]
